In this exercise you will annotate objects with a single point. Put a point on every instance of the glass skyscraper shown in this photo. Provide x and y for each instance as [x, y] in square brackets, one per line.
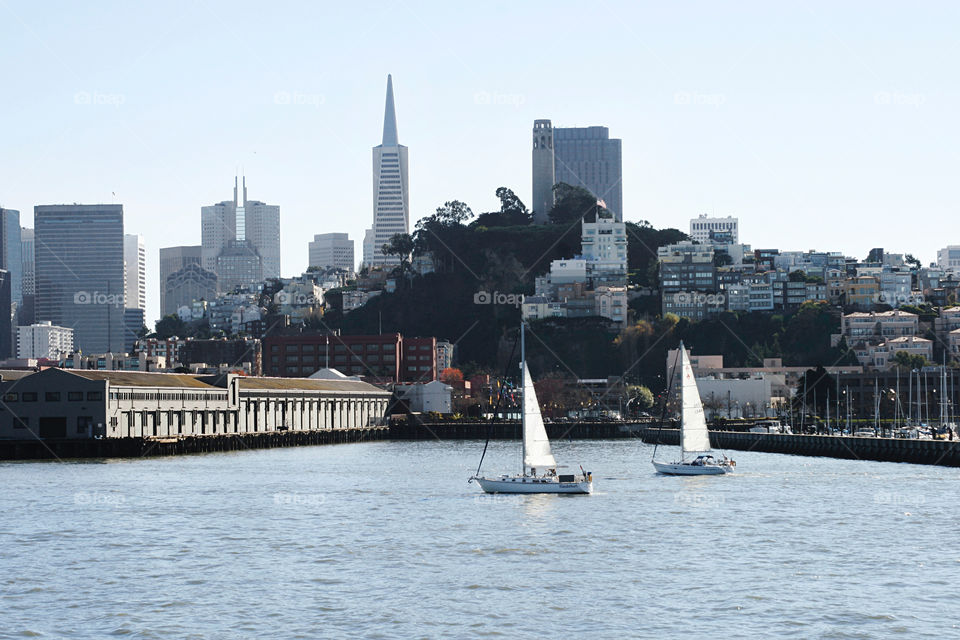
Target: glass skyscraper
[79, 272]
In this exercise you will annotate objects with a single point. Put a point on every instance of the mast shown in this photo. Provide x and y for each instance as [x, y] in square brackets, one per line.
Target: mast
[523, 397]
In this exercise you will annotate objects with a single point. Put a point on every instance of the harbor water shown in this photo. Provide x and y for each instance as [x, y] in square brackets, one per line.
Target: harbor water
[388, 540]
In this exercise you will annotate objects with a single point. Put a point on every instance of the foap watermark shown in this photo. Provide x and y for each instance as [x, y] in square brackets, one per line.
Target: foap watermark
[298, 99]
[899, 99]
[699, 99]
[485, 297]
[697, 499]
[898, 299]
[499, 99]
[898, 499]
[293, 299]
[299, 499]
[701, 299]
[95, 497]
[97, 98]
[497, 498]
[98, 298]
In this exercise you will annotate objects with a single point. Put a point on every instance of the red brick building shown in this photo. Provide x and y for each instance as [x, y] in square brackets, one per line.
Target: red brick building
[389, 357]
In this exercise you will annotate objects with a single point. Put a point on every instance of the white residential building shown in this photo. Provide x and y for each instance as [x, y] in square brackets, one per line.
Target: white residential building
[708, 230]
[948, 258]
[44, 340]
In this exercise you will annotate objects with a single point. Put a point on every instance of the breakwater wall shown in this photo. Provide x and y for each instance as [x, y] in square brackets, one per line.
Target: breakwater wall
[938, 452]
[64, 448]
[510, 430]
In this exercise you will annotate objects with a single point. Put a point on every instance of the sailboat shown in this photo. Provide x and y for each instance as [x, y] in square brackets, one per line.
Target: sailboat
[694, 436]
[539, 473]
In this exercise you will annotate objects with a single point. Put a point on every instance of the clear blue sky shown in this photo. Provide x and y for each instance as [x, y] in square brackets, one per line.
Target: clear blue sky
[821, 125]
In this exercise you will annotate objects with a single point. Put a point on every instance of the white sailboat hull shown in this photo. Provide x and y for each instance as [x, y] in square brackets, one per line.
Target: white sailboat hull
[528, 484]
[688, 469]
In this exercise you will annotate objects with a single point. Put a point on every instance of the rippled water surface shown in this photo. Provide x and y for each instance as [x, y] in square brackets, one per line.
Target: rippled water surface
[387, 540]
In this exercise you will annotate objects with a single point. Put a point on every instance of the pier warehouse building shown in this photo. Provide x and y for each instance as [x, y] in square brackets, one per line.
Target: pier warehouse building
[77, 404]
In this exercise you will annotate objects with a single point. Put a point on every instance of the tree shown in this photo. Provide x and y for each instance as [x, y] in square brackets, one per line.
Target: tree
[400, 245]
[450, 375]
[906, 361]
[572, 204]
[913, 262]
[169, 326]
[721, 259]
[641, 398]
[512, 212]
[453, 212]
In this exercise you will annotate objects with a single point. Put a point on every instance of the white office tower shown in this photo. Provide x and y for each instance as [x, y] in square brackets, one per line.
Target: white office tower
[391, 203]
[331, 250]
[134, 272]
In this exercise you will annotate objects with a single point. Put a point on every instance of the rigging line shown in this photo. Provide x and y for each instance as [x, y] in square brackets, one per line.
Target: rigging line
[666, 398]
[496, 410]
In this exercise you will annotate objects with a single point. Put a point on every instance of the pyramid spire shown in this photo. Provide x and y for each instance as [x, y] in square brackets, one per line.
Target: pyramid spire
[389, 118]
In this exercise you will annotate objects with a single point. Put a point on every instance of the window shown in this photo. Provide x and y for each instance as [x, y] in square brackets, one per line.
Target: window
[51, 396]
[94, 395]
[21, 423]
[10, 397]
[29, 396]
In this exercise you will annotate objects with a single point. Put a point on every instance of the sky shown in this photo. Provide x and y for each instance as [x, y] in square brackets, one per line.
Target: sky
[820, 125]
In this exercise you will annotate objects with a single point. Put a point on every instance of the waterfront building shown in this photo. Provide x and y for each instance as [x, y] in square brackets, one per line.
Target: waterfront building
[44, 340]
[419, 359]
[426, 397]
[80, 272]
[62, 403]
[387, 357]
[391, 198]
[331, 250]
[544, 171]
[168, 349]
[235, 353]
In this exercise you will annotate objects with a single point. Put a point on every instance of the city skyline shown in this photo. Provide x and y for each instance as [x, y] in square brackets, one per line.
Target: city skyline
[840, 130]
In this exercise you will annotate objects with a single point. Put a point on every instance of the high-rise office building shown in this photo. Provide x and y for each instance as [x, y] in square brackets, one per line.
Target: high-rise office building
[183, 278]
[10, 251]
[26, 261]
[25, 310]
[544, 173]
[588, 157]
[245, 227]
[135, 272]
[391, 202]
[331, 250]
[80, 272]
[6, 321]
